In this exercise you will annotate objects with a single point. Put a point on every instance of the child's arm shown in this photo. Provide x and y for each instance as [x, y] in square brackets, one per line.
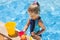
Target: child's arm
[40, 23]
[26, 26]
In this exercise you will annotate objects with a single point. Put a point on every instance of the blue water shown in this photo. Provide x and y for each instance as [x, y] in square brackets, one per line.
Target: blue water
[16, 10]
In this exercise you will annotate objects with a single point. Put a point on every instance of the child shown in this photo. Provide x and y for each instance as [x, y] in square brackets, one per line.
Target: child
[35, 21]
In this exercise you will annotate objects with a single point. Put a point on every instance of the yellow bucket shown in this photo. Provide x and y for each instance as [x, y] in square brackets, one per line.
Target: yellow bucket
[10, 26]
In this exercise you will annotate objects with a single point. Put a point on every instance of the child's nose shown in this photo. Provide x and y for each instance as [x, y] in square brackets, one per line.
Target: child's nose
[32, 15]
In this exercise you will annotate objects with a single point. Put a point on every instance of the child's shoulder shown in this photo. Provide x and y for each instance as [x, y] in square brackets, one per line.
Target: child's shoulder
[39, 17]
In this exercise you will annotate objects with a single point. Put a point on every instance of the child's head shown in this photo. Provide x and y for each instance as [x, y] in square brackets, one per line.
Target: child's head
[34, 8]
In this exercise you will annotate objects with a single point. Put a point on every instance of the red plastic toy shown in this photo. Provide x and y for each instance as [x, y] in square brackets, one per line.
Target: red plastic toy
[21, 33]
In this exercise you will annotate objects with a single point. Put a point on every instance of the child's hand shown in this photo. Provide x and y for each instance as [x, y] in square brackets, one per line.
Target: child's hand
[24, 30]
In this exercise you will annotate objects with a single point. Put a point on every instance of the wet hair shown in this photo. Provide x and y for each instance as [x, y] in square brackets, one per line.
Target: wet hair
[34, 9]
[38, 4]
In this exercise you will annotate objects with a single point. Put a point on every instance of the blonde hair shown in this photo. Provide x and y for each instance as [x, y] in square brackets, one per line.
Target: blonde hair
[34, 8]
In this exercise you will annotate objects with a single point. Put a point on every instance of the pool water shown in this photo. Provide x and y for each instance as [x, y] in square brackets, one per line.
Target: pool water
[16, 10]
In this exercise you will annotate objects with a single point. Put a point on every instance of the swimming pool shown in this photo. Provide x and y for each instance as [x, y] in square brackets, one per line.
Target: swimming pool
[16, 10]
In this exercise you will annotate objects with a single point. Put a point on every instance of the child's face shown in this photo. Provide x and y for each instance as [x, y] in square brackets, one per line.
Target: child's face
[33, 15]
